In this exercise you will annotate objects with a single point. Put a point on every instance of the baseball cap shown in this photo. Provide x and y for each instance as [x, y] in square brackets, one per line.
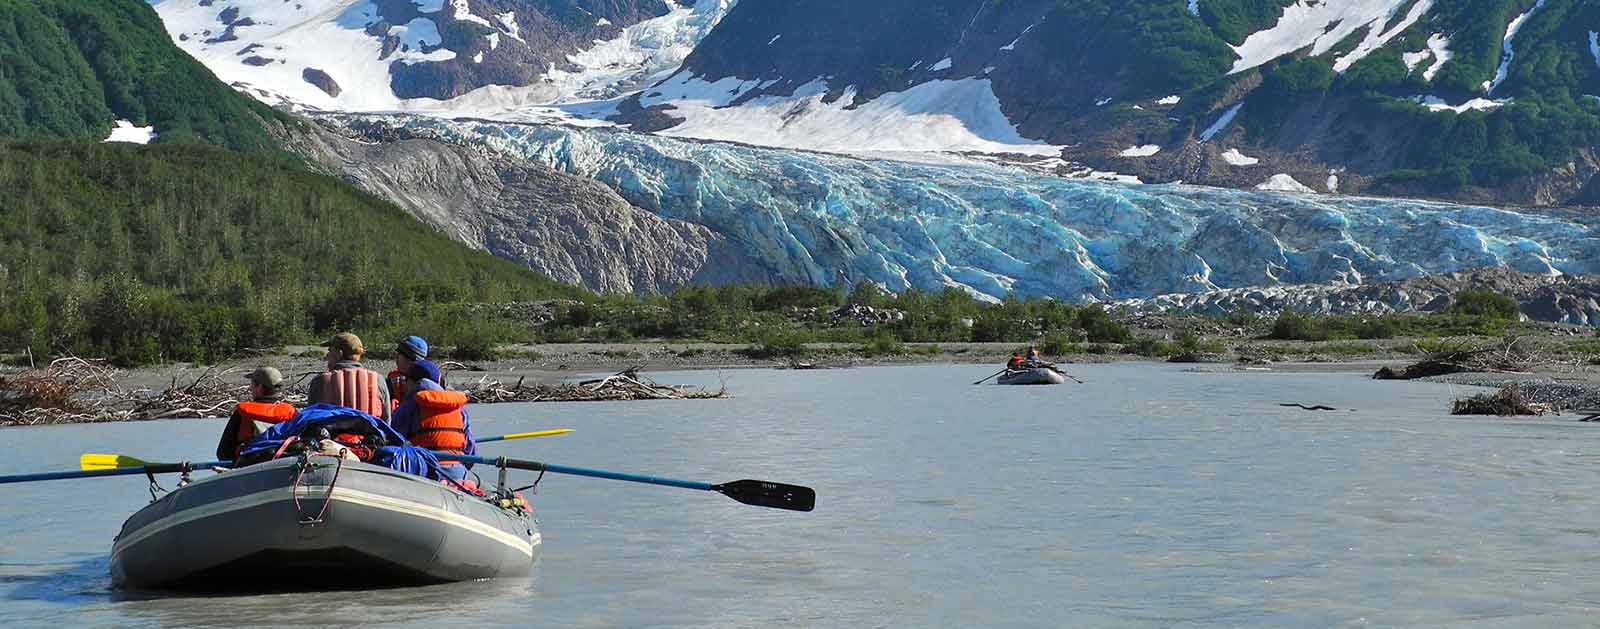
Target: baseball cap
[347, 344]
[266, 376]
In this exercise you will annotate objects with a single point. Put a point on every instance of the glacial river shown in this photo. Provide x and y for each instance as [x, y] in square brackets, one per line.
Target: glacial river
[1149, 497]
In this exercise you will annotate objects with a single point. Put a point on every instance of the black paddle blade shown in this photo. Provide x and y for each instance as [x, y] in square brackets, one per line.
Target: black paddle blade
[769, 494]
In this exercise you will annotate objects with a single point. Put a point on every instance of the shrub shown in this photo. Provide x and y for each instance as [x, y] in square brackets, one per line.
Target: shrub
[883, 345]
[1486, 304]
[1292, 325]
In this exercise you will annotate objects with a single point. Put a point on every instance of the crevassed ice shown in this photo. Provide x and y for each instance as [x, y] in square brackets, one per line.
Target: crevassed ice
[823, 219]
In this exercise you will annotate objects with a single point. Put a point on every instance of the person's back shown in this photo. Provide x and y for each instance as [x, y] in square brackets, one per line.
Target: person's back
[1015, 362]
[346, 383]
[434, 418]
[249, 419]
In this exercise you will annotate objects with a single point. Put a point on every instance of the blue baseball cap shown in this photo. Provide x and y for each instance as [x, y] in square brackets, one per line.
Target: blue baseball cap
[413, 347]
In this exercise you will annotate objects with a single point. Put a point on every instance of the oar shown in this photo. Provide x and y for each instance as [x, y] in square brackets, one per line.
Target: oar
[751, 492]
[993, 375]
[1068, 375]
[527, 435]
[96, 465]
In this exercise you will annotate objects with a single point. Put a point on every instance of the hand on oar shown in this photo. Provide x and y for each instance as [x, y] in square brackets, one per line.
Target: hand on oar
[527, 435]
[96, 465]
[751, 492]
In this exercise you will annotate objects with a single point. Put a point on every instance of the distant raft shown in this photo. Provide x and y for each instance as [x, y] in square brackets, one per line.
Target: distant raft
[1036, 375]
[299, 522]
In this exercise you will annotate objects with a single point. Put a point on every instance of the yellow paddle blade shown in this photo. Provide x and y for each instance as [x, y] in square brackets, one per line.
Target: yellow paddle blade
[541, 433]
[108, 462]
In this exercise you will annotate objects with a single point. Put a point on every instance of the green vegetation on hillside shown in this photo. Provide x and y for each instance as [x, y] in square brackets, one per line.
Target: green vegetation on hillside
[187, 252]
[69, 68]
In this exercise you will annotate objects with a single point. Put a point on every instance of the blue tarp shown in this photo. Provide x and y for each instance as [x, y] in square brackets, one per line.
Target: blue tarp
[398, 455]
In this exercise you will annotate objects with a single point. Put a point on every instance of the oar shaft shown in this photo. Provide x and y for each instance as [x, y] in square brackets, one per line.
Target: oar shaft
[160, 468]
[581, 471]
[526, 435]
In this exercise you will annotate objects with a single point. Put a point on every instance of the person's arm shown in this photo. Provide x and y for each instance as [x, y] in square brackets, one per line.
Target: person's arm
[472, 442]
[314, 390]
[228, 446]
[383, 395]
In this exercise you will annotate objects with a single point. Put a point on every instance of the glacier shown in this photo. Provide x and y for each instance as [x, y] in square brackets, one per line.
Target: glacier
[993, 230]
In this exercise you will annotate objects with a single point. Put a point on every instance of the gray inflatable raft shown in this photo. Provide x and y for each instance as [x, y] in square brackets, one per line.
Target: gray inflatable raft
[319, 522]
[1037, 375]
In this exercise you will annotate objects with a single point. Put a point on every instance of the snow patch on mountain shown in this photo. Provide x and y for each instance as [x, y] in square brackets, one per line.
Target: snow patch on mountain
[643, 54]
[941, 115]
[1507, 53]
[126, 131]
[1235, 158]
[1283, 183]
[1439, 46]
[1594, 47]
[1379, 33]
[943, 64]
[1319, 24]
[1434, 103]
[1141, 151]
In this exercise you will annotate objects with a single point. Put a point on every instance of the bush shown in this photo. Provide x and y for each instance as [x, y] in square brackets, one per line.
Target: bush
[1059, 345]
[1486, 304]
[1098, 327]
[883, 345]
[778, 344]
[1292, 325]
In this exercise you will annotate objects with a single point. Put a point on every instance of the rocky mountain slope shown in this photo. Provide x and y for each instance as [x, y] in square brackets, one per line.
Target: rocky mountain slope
[1488, 100]
[365, 55]
[1543, 297]
[575, 230]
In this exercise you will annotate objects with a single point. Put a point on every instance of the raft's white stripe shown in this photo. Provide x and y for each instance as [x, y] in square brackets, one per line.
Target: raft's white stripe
[431, 512]
[340, 494]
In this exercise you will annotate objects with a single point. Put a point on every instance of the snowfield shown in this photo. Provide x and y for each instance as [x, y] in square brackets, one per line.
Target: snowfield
[940, 115]
[1322, 24]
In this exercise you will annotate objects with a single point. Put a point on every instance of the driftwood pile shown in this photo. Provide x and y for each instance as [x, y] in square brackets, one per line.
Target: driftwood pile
[75, 390]
[1506, 402]
[1510, 356]
[622, 386]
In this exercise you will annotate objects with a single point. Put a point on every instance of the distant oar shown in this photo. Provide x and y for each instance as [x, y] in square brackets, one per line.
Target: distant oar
[992, 375]
[527, 435]
[751, 492]
[97, 465]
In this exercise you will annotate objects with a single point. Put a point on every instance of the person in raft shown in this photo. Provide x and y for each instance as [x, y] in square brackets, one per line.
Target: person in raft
[406, 353]
[346, 383]
[434, 418]
[1015, 362]
[1034, 359]
[265, 408]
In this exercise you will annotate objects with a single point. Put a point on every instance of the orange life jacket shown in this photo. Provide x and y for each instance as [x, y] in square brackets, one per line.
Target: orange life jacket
[353, 388]
[255, 417]
[443, 427]
[1015, 362]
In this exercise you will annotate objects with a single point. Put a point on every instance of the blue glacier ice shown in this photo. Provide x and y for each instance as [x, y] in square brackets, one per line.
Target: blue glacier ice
[826, 219]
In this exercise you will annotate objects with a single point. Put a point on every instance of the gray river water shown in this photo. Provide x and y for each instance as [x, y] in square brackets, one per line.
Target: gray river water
[1150, 496]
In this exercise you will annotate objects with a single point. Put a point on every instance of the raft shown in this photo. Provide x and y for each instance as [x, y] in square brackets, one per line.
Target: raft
[325, 521]
[1036, 375]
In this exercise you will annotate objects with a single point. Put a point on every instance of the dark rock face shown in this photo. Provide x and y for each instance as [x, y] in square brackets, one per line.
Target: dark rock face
[321, 80]
[574, 230]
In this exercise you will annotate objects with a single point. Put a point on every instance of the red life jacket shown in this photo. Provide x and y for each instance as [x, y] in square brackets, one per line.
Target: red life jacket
[1015, 362]
[353, 388]
[255, 417]
[443, 427]
[398, 385]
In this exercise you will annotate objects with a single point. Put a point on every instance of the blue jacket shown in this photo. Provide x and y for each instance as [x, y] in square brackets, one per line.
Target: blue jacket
[407, 419]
